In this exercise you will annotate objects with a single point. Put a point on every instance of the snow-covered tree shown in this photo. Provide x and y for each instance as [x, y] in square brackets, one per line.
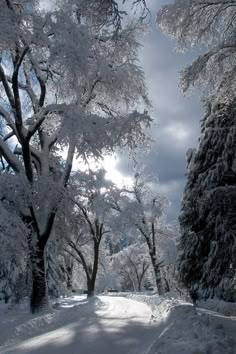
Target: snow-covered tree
[69, 83]
[209, 25]
[208, 216]
[91, 218]
[131, 266]
[142, 210]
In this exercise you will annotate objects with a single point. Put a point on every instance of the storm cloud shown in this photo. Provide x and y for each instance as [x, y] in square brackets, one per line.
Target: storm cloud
[176, 118]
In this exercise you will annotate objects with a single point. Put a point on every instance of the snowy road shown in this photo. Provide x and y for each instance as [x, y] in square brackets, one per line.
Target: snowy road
[121, 325]
[107, 325]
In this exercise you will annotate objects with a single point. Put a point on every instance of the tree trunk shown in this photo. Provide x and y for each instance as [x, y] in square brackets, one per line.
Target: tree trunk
[156, 269]
[158, 278]
[39, 295]
[69, 283]
[167, 286]
[91, 282]
[139, 285]
[91, 287]
[6, 298]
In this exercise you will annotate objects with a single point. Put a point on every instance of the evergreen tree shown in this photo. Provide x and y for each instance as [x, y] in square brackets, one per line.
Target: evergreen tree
[208, 218]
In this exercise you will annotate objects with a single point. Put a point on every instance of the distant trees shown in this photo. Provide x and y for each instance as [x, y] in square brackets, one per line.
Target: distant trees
[142, 210]
[131, 266]
[68, 82]
[89, 222]
[101, 215]
[208, 215]
[148, 210]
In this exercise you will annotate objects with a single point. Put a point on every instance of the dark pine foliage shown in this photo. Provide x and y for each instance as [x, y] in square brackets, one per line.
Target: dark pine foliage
[208, 219]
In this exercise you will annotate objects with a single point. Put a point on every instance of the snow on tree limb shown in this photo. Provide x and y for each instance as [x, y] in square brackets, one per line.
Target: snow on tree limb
[207, 24]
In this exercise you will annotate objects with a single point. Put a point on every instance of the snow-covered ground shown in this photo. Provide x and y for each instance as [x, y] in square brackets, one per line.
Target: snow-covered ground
[118, 325]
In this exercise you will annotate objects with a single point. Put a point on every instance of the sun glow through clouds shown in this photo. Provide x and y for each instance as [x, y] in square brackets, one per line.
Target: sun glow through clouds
[109, 163]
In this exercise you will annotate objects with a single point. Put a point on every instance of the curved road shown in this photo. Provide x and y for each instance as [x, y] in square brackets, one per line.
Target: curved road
[106, 325]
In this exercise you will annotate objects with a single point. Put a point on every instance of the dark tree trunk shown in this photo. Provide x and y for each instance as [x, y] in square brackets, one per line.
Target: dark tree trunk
[91, 288]
[167, 287]
[91, 282]
[69, 284]
[39, 296]
[6, 299]
[156, 266]
[158, 281]
[140, 277]
[139, 285]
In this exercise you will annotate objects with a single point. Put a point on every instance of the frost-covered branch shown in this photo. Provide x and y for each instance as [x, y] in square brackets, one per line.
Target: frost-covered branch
[41, 81]
[7, 88]
[81, 257]
[211, 24]
[17, 61]
[35, 122]
[11, 159]
[7, 116]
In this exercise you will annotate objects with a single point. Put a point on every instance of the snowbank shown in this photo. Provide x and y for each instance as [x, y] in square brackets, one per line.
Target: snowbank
[225, 308]
[182, 329]
[18, 324]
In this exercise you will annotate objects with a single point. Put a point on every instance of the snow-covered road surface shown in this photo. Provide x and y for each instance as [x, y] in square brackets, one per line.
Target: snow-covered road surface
[105, 325]
[124, 324]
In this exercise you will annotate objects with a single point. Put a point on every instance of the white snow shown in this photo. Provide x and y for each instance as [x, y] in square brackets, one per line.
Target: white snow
[103, 325]
[122, 324]
[183, 329]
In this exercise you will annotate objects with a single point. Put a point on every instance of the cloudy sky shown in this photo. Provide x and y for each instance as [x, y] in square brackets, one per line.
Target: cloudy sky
[176, 117]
